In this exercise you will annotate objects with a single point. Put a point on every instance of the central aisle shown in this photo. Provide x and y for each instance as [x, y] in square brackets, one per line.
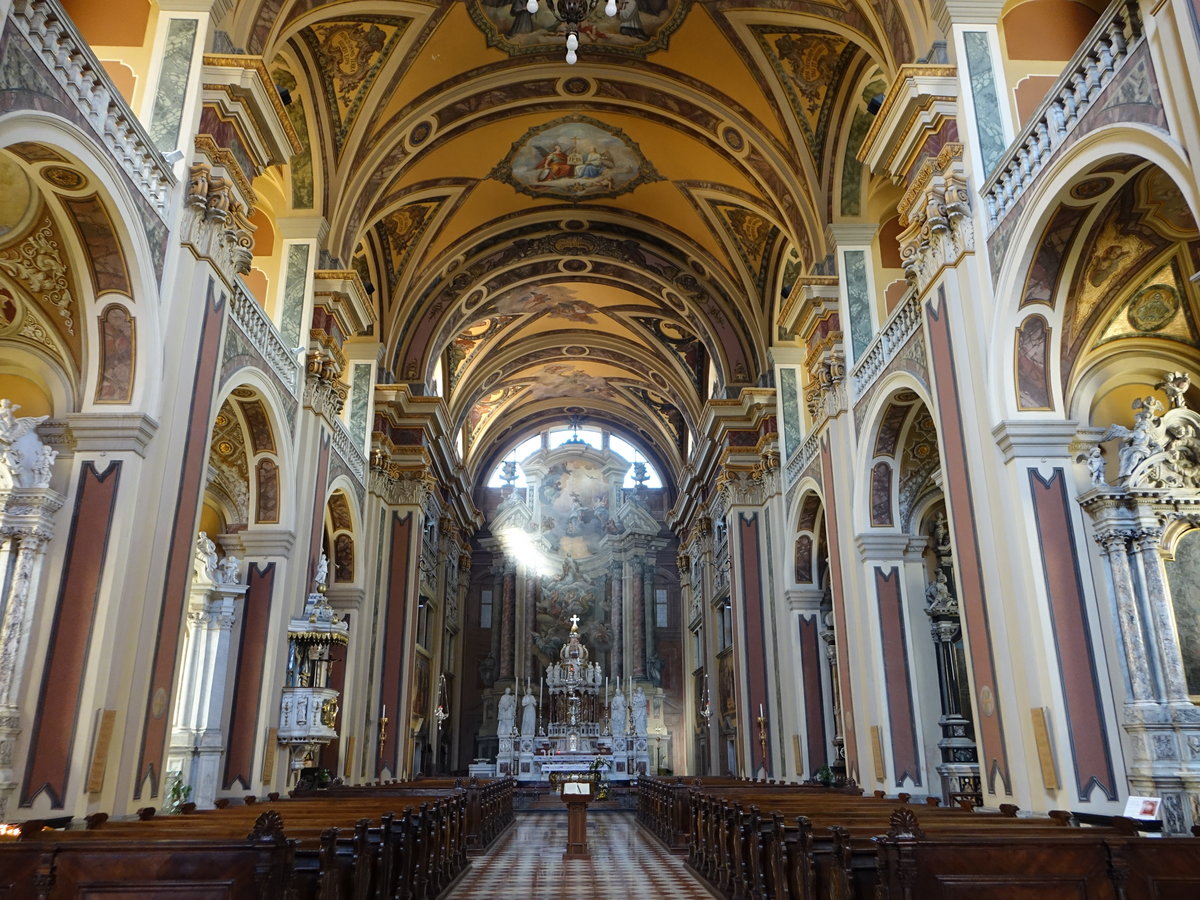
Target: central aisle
[527, 864]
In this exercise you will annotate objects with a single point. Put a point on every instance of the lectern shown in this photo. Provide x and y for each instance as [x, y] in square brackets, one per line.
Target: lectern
[577, 795]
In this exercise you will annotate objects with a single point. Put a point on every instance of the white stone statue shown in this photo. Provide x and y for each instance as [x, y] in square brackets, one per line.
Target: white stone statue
[204, 560]
[617, 712]
[639, 710]
[528, 714]
[322, 576]
[25, 462]
[1175, 385]
[506, 713]
[229, 571]
[1139, 442]
[1095, 464]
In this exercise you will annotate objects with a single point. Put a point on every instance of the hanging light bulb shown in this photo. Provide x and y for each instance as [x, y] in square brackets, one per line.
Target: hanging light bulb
[610, 10]
[572, 41]
[571, 57]
[531, 7]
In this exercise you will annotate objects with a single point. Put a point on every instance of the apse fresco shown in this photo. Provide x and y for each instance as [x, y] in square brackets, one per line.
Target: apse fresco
[575, 158]
[639, 27]
[575, 509]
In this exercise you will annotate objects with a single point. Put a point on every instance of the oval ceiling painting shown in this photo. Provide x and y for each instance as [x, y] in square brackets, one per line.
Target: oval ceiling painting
[575, 158]
[639, 27]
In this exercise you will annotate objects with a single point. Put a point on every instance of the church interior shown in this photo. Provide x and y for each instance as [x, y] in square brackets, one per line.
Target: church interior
[791, 390]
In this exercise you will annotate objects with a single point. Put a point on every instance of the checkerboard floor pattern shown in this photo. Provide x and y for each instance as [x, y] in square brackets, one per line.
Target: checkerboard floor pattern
[527, 864]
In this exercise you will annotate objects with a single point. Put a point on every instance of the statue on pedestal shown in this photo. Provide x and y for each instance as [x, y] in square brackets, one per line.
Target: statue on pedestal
[506, 713]
[528, 714]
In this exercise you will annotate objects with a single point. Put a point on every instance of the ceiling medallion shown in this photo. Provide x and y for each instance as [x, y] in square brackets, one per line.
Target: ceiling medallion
[575, 158]
[574, 266]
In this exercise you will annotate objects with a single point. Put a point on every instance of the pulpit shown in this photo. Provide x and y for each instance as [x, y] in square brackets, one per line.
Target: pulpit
[577, 795]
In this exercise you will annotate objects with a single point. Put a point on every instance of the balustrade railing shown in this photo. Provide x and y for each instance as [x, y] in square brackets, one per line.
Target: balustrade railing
[73, 64]
[1102, 54]
[803, 456]
[258, 328]
[351, 454]
[904, 321]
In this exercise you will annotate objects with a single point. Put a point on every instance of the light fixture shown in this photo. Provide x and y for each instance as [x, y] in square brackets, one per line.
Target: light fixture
[572, 13]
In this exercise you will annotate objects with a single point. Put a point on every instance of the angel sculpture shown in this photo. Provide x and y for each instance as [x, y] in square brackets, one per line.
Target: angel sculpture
[1095, 464]
[1138, 443]
[1175, 385]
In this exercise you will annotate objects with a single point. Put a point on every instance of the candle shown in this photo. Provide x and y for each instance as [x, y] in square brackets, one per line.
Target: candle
[760, 711]
[384, 716]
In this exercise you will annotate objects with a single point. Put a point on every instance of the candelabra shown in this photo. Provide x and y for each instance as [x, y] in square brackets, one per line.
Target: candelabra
[572, 13]
[440, 712]
[383, 723]
[762, 735]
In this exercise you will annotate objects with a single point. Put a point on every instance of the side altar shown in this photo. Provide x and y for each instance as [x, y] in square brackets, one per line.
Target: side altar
[585, 727]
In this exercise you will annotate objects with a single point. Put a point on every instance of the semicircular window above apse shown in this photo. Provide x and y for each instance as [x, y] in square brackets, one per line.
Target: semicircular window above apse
[510, 472]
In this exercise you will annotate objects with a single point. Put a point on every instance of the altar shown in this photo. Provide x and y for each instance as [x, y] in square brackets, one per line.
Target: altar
[585, 727]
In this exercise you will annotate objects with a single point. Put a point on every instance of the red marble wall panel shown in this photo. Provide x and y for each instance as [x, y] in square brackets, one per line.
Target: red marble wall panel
[394, 636]
[248, 677]
[812, 662]
[753, 656]
[54, 722]
[1072, 636]
[896, 676]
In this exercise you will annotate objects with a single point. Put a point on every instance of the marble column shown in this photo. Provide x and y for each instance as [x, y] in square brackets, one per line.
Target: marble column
[529, 655]
[618, 599]
[508, 614]
[638, 612]
[1162, 616]
[1115, 544]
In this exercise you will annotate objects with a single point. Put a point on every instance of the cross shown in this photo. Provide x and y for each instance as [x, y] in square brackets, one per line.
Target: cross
[574, 623]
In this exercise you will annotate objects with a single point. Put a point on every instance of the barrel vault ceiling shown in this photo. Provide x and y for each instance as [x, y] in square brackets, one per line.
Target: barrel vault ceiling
[607, 240]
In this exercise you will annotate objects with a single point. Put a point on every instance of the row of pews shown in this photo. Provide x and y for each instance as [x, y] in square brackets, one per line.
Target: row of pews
[403, 840]
[768, 841]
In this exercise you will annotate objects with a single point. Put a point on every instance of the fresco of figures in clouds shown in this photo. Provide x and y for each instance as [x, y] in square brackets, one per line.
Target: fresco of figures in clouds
[575, 158]
[554, 300]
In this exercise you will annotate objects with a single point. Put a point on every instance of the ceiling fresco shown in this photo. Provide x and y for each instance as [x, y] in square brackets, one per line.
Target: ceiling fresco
[607, 237]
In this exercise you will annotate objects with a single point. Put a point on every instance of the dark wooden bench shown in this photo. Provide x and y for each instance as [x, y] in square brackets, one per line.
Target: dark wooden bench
[259, 866]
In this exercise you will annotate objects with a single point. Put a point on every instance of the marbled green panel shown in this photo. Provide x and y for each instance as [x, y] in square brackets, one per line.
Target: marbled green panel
[789, 395]
[360, 400]
[172, 84]
[293, 293]
[988, 124]
[858, 296]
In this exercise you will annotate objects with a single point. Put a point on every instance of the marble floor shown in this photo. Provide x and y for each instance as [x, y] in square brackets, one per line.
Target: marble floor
[527, 864]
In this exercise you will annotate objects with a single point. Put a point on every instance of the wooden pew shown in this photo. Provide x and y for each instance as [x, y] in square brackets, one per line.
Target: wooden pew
[412, 855]
[257, 866]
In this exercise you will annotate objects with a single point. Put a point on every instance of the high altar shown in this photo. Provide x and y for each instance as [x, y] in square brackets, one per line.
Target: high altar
[585, 723]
